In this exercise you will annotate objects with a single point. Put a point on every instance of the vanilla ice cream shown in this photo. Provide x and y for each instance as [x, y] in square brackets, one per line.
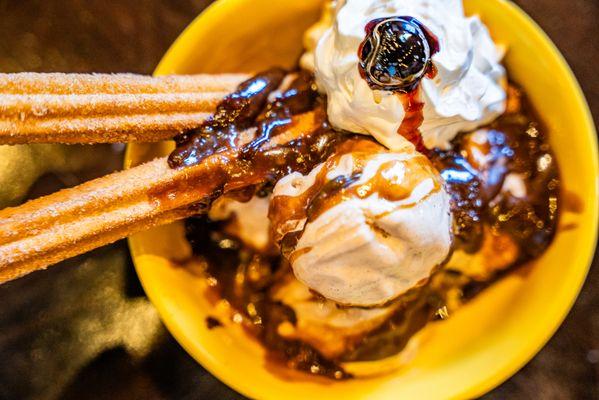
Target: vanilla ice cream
[383, 232]
[329, 328]
[247, 221]
[466, 92]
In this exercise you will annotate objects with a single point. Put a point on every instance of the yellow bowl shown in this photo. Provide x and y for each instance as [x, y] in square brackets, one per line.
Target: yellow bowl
[479, 346]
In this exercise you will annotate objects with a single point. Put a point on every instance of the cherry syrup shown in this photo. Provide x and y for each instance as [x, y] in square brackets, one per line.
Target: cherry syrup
[394, 56]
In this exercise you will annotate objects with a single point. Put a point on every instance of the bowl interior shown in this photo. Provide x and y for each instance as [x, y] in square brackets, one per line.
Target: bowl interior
[479, 346]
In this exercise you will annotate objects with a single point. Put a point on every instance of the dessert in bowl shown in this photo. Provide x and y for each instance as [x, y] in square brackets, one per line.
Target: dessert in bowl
[350, 321]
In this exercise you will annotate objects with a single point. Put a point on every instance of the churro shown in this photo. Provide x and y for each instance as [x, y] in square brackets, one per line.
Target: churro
[73, 221]
[80, 108]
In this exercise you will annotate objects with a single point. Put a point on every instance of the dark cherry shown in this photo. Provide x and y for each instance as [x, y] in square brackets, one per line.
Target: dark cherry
[396, 53]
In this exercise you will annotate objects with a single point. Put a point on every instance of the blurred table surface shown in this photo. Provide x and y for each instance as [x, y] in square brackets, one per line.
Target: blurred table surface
[85, 329]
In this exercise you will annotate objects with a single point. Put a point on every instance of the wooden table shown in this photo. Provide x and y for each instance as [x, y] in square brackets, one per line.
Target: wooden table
[85, 329]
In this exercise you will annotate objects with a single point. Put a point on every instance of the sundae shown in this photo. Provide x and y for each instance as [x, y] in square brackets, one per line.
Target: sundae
[336, 209]
[428, 177]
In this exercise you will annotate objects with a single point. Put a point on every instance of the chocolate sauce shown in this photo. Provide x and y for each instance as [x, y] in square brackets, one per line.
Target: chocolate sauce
[300, 97]
[514, 144]
[244, 278]
[256, 166]
[464, 186]
[237, 111]
[418, 309]
[489, 153]
[475, 171]
[530, 220]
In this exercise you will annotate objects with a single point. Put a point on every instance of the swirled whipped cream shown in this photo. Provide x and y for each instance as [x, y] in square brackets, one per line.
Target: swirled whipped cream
[365, 227]
[466, 92]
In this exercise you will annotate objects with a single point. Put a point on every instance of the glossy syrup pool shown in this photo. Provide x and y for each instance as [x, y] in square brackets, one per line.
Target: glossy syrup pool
[514, 144]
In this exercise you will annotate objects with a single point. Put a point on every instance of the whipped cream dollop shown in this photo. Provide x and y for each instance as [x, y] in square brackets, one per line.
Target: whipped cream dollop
[371, 225]
[466, 92]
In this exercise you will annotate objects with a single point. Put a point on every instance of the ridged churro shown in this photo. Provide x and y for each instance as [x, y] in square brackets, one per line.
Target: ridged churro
[102, 108]
[59, 83]
[73, 221]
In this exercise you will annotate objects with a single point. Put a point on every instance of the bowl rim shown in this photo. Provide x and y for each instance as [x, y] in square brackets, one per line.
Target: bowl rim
[490, 381]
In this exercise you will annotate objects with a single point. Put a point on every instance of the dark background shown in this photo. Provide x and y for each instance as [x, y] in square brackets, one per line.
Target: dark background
[84, 329]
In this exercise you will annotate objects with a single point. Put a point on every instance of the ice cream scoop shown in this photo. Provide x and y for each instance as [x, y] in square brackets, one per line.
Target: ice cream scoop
[364, 227]
[464, 92]
[248, 222]
[331, 329]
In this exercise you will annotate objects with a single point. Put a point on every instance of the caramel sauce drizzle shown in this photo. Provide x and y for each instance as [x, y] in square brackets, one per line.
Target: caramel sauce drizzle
[326, 193]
